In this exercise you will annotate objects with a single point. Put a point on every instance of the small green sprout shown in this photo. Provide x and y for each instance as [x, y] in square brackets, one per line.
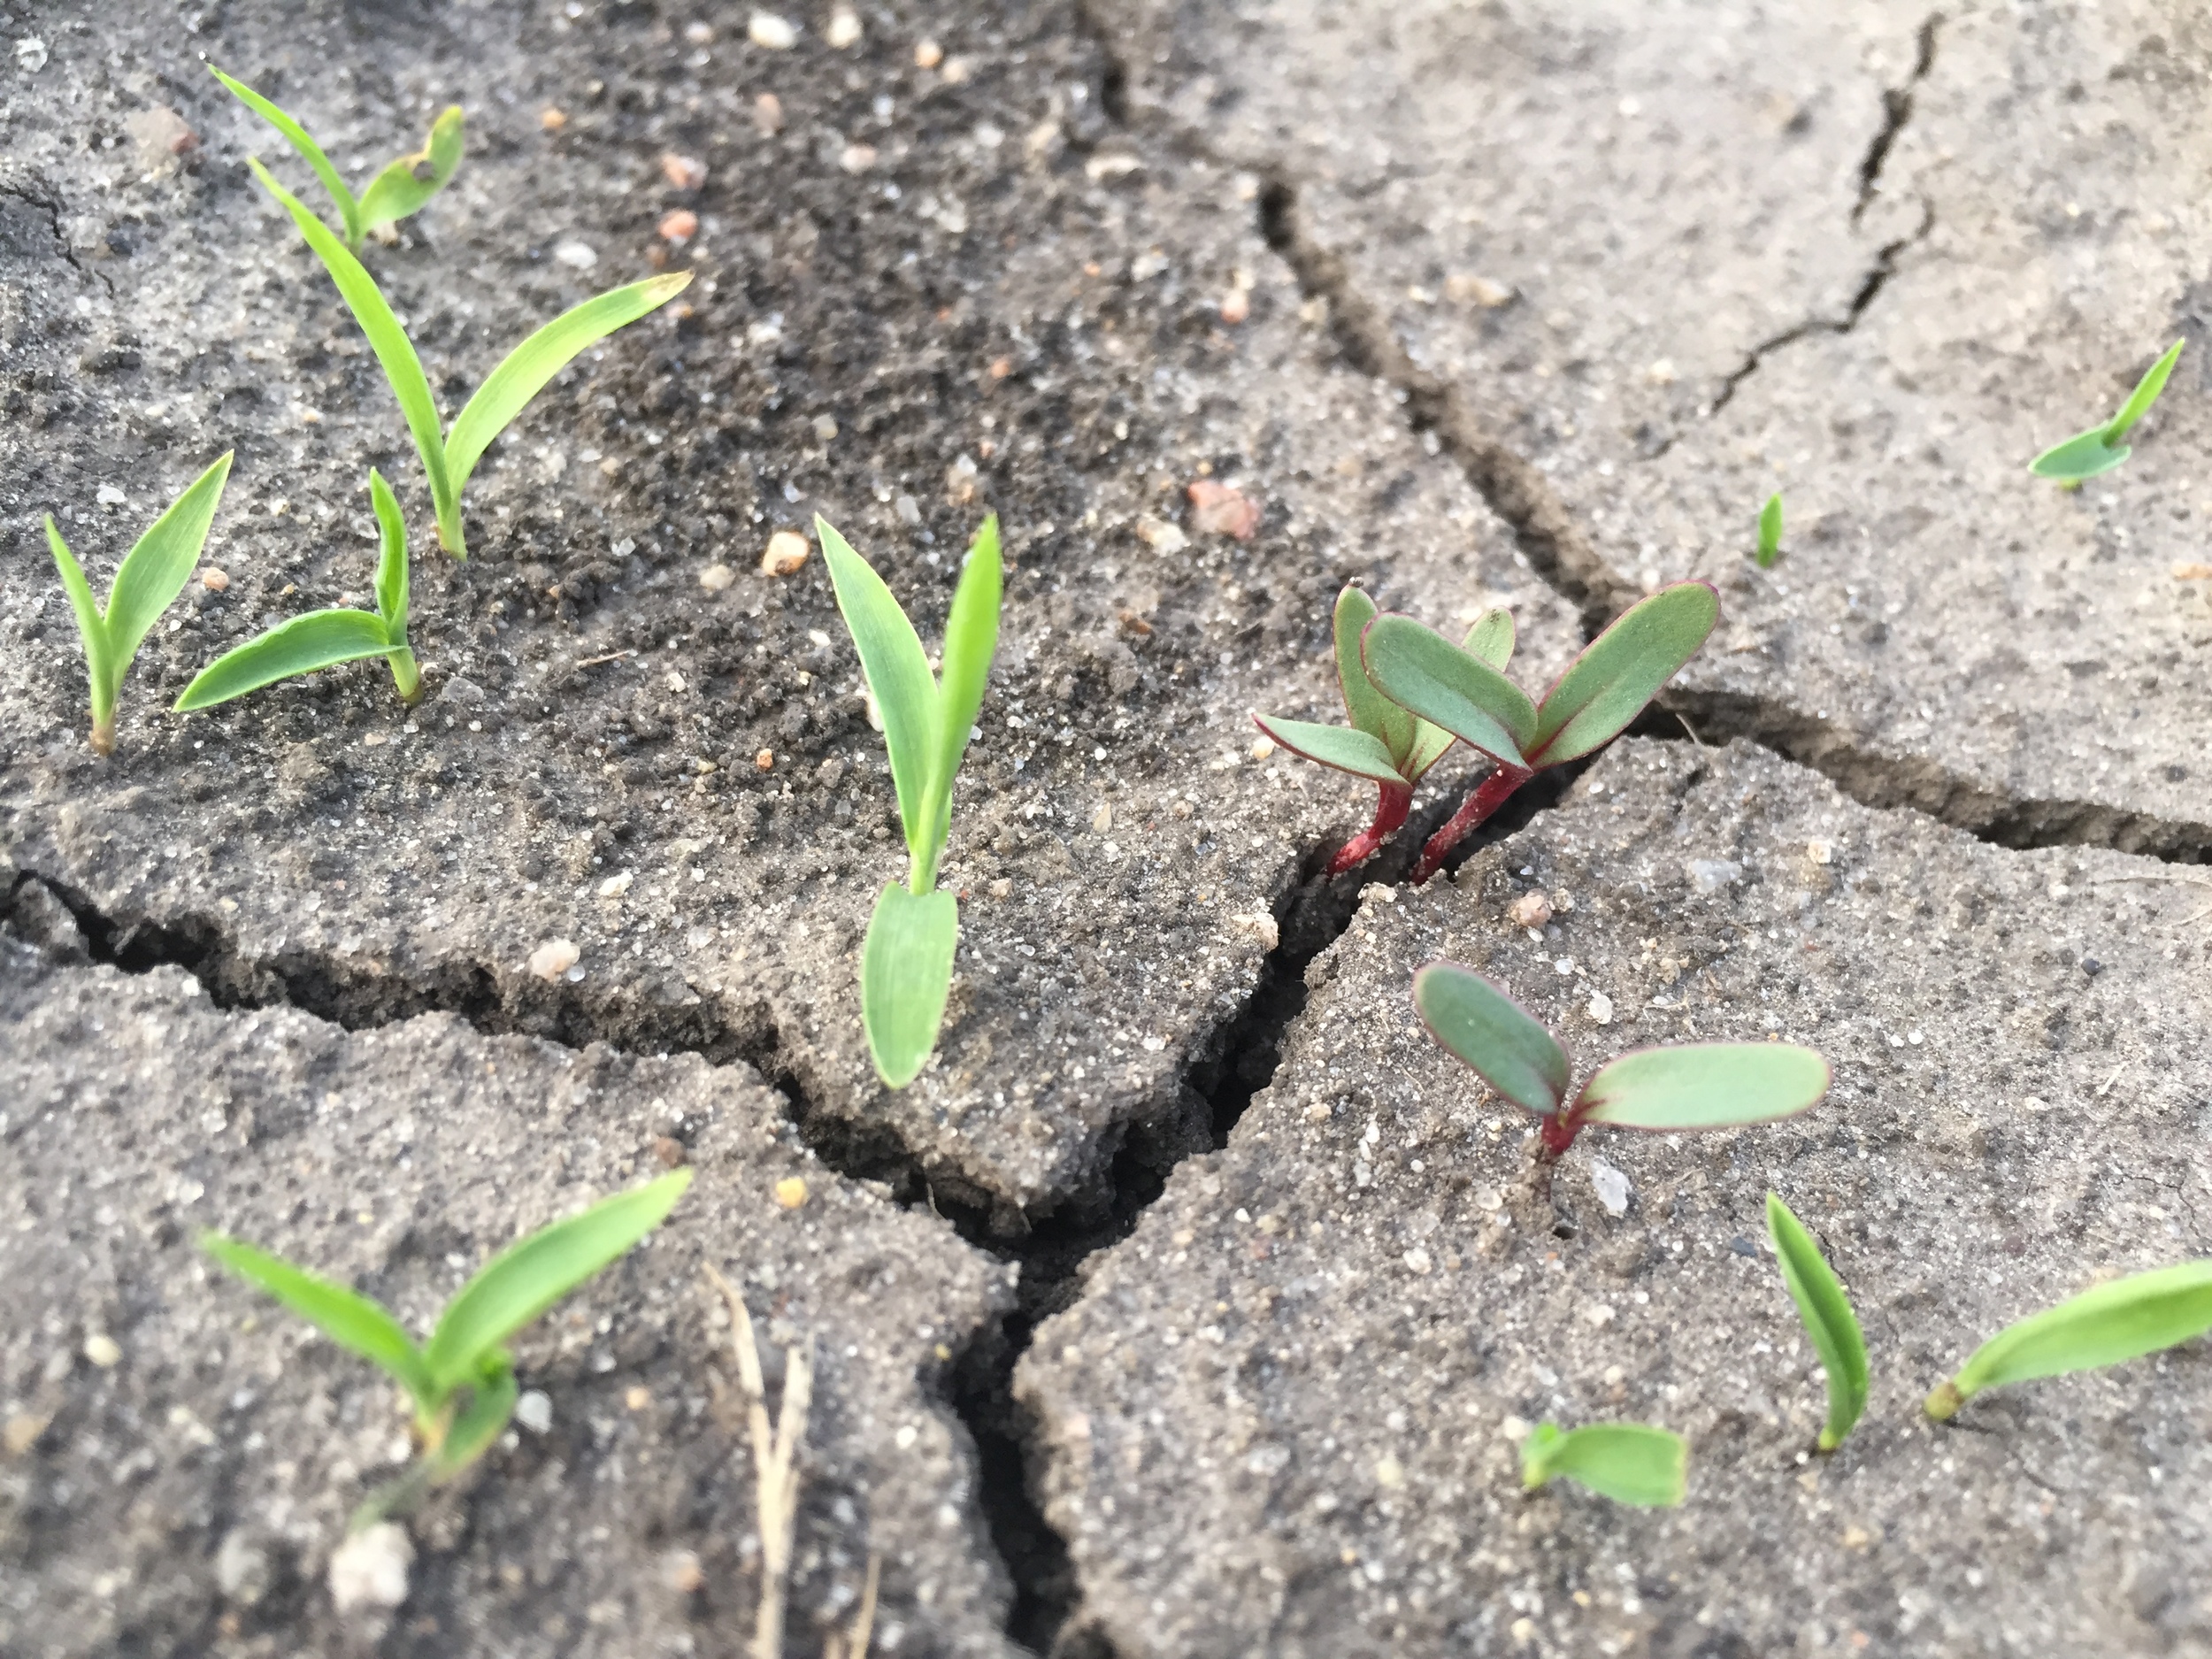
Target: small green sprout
[450, 455]
[1770, 532]
[1384, 744]
[398, 190]
[2099, 449]
[1602, 690]
[1687, 1086]
[1828, 1319]
[1629, 1462]
[152, 574]
[462, 1381]
[906, 960]
[323, 639]
[2123, 1320]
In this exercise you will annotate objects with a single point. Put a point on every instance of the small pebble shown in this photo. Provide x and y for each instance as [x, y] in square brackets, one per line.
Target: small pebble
[670, 1152]
[717, 578]
[100, 1348]
[535, 1411]
[843, 30]
[108, 495]
[1600, 1008]
[683, 172]
[1262, 748]
[553, 958]
[956, 70]
[637, 1397]
[787, 551]
[824, 428]
[370, 1569]
[1389, 1472]
[1161, 536]
[699, 32]
[683, 1572]
[765, 761]
[680, 226]
[791, 1192]
[1102, 819]
[928, 54]
[1260, 925]
[1236, 305]
[214, 580]
[1531, 910]
[1710, 875]
[1221, 509]
[1611, 1186]
[1418, 1260]
[614, 886]
[579, 256]
[857, 157]
[22, 1431]
[768, 114]
[552, 118]
[1466, 289]
[1821, 852]
[1002, 888]
[773, 33]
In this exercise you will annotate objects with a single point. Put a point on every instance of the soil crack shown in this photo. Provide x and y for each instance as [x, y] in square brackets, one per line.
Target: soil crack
[1896, 112]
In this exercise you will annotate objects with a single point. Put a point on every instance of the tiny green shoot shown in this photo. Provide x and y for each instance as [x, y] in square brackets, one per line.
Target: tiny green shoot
[152, 574]
[400, 188]
[1829, 1321]
[1384, 744]
[448, 456]
[906, 960]
[2123, 1320]
[2098, 449]
[322, 639]
[1629, 1462]
[461, 1381]
[1770, 532]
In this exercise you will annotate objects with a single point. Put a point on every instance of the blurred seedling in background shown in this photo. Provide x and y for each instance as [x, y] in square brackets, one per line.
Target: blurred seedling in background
[1629, 1462]
[462, 1381]
[1384, 744]
[152, 574]
[906, 960]
[450, 455]
[2123, 1320]
[1770, 532]
[2099, 449]
[1829, 1321]
[323, 639]
[1464, 694]
[398, 190]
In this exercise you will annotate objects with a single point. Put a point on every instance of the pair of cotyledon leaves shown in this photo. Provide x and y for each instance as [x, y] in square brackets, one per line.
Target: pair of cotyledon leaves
[2087, 454]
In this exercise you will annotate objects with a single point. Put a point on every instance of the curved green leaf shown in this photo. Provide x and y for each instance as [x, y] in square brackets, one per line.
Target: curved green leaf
[1829, 1321]
[2146, 394]
[1507, 1046]
[1771, 531]
[101, 670]
[391, 558]
[405, 185]
[321, 639]
[347, 1318]
[971, 641]
[905, 975]
[1491, 638]
[1629, 1462]
[1423, 672]
[1359, 753]
[2085, 455]
[1609, 684]
[1704, 1086]
[470, 1434]
[311, 153]
[156, 570]
[1367, 708]
[898, 675]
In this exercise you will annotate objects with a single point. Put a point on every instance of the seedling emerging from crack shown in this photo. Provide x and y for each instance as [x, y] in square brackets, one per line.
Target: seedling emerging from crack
[448, 456]
[1384, 744]
[906, 960]
[399, 189]
[1770, 532]
[1829, 1321]
[2099, 449]
[2123, 1320]
[1629, 1462]
[462, 1381]
[323, 639]
[152, 574]
[1601, 691]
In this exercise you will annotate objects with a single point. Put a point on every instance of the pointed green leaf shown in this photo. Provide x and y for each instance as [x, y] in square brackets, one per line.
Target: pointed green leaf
[527, 1277]
[321, 639]
[2085, 455]
[1508, 1049]
[391, 558]
[905, 975]
[1367, 708]
[156, 571]
[1358, 753]
[525, 370]
[1491, 638]
[897, 675]
[470, 1435]
[1704, 1086]
[1829, 1321]
[1771, 531]
[402, 188]
[2146, 394]
[99, 661]
[1423, 672]
[347, 1318]
[971, 641]
[1629, 1462]
[1609, 684]
[311, 153]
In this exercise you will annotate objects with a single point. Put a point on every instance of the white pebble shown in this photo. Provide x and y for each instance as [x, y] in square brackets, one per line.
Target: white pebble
[844, 30]
[614, 886]
[1710, 875]
[580, 254]
[1611, 1186]
[553, 958]
[370, 1569]
[1600, 1008]
[535, 1411]
[111, 497]
[771, 32]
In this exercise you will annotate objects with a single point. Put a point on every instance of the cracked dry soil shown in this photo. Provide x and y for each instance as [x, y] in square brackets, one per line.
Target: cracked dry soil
[1130, 1341]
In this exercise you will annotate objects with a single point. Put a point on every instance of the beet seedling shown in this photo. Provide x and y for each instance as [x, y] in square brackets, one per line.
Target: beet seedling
[1629, 1462]
[1384, 744]
[152, 574]
[1602, 690]
[1829, 1321]
[1770, 532]
[906, 960]
[2099, 449]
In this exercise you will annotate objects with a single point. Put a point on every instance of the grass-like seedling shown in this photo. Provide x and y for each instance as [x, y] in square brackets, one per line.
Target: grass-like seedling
[323, 639]
[2123, 1320]
[1770, 532]
[2099, 449]
[450, 455]
[152, 574]
[1629, 1462]
[1602, 690]
[462, 1381]
[1687, 1087]
[1384, 744]
[1829, 1321]
[399, 189]
[906, 960]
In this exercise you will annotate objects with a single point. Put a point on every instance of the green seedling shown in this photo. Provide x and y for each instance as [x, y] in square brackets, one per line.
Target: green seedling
[323, 639]
[1383, 744]
[906, 960]
[1602, 690]
[2123, 1320]
[2099, 449]
[152, 574]
[461, 1381]
[398, 190]
[1829, 1321]
[450, 455]
[1770, 532]
[1629, 1462]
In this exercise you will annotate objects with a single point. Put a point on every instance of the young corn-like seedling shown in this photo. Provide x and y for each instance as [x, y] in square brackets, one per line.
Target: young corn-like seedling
[1629, 1462]
[1770, 532]
[1601, 691]
[906, 960]
[448, 456]
[323, 639]
[2099, 449]
[152, 574]
[2123, 1320]
[462, 1381]
[1384, 744]
[398, 190]
[1829, 1321]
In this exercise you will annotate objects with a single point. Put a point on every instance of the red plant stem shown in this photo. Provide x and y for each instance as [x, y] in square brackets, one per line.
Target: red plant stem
[1496, 789]
[1555, 1134]
[1392, 802]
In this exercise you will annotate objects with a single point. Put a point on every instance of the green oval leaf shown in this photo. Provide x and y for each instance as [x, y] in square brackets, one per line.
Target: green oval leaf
[1704, 1086]
[1624, 668]
[971, 641]
[1423, 672]
[1629, 1462]
[1829, 1321]
[157, 569]
[905, 975]
[1504, 1044]
[405, 185]
[321, 639]
[347, 1318]
[898, 677]
[2146, 394]
[309, 151]
[1359, 753]
[2085, 455]
[1367, 708]
[1491, 638]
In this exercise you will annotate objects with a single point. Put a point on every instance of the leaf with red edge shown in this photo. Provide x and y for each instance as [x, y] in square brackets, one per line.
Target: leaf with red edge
[1609, 684]
[1420, 670]
[1364, 706]
[1505, 1044]
[1338, 746]
[1703, 1085]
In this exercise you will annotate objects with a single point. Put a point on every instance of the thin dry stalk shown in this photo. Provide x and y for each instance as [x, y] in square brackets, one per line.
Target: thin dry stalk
[775, 1463]
[853, 1644]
